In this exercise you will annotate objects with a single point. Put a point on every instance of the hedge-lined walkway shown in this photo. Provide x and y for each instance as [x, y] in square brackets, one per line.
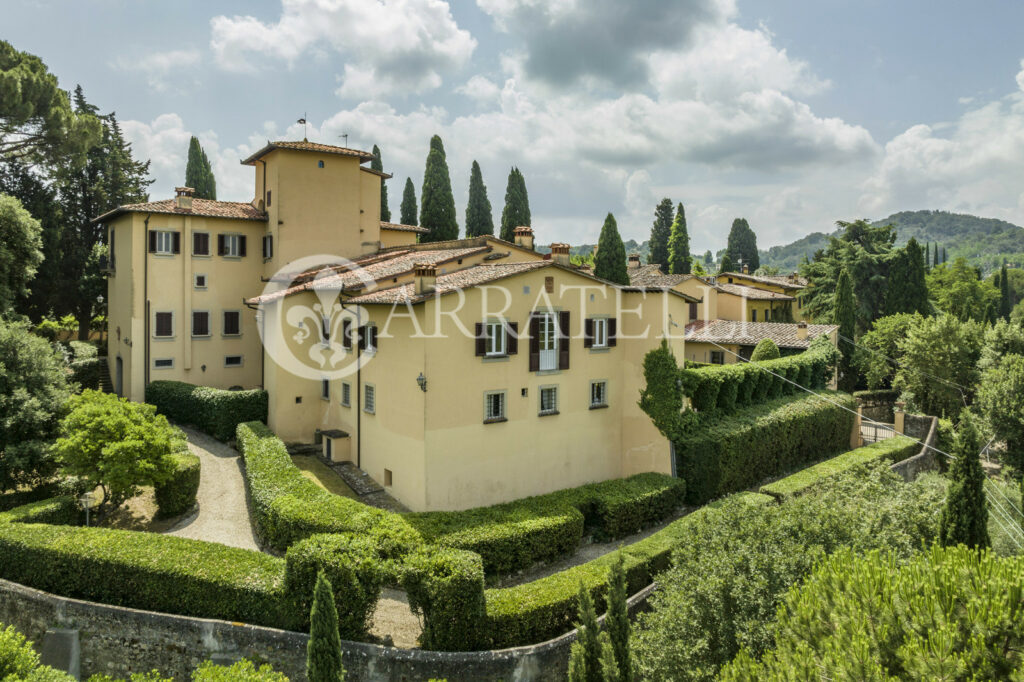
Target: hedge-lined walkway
[223, 514]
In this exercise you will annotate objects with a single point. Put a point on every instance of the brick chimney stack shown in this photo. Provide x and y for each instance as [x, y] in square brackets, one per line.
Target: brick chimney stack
[183, 197]
[746, 269]
[633, 261]
[425, 276]
[524, 237]
[560, 253]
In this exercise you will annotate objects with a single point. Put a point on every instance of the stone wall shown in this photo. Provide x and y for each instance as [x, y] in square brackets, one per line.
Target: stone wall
[926, 459]
[117, 641]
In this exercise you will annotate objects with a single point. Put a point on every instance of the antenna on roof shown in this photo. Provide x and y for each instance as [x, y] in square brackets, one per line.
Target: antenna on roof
[303, 122]
[344, 136]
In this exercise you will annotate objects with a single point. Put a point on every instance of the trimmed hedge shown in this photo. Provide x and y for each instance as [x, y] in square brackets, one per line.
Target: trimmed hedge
[545, 608]
[63, 511]
[881, 395]
[212, 410]
[446, 589]
[177, 494]
[734, 452]
[895, 449]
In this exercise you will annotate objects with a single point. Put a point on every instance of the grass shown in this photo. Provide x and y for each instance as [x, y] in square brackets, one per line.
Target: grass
[321, 474]
[139, 514]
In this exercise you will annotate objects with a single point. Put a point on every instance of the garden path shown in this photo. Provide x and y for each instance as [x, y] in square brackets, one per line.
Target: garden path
[223, 514]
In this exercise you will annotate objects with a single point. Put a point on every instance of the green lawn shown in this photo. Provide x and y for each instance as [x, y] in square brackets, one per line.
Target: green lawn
[321, 474]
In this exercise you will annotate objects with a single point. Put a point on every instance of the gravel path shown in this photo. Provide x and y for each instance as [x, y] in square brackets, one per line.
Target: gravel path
[223, 514]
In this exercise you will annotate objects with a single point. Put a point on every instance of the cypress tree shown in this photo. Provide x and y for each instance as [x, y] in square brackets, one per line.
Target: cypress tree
[1005, 301]
[610, 262]
[742, 245]
[907, 291]
[726, 264]
[660, 231]
[517, 205]
[437, 204]
[198, 173]
[378, 165]
[965, 517]
[927, 255]
[679, 245]
[709, 258]
[944, 259]
[617, 621]
[408, 209]
[323, 651]
[845, 311]
[585, 655]
[478, 211]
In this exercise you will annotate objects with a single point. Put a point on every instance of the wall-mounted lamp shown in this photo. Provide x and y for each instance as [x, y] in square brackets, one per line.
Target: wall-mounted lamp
[421, 381]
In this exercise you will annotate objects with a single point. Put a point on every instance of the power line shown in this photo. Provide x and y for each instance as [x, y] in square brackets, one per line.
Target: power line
[896, 362]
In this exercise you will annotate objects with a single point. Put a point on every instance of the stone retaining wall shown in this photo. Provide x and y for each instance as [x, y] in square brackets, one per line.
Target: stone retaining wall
[926, 459]
[118, 641]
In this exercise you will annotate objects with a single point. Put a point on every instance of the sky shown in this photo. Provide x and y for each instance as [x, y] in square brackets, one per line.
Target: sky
[791, 114]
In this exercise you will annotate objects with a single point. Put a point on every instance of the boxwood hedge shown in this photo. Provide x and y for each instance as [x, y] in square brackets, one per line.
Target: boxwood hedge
[177, 494]
[728, 453]
[895, 449]
[446, 589]
[212, 410]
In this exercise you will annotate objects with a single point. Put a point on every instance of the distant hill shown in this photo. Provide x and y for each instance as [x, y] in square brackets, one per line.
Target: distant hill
[983, 241]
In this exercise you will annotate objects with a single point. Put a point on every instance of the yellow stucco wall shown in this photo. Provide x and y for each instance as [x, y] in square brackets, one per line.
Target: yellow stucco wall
[390, 238]
[798, 313]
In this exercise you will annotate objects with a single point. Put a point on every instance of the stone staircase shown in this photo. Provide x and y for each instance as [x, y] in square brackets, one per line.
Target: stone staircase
[106, 385]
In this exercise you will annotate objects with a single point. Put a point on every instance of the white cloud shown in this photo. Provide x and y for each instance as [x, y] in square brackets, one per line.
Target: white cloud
[172, 70]
[479, 88]
[389, 45]
[1020, 76]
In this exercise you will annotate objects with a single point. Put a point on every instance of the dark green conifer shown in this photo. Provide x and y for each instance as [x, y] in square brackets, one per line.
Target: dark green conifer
[660, 231]
[517, 206]
[585, 654]
[617, 621]
[679, 245]
[742, 245]
[610, 262]
[906, 290]
[845, 312]
[1005, 299]
[478, 211]
[437, 203]
[408, 209]
[726, 264]
[965, 518]
[323, 651]
[377, 164]
[198, 173]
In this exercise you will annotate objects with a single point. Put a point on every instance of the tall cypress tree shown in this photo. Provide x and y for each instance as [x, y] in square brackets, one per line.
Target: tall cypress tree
[1005, 300]
[437, 203]
[198, 173]
[965, 517]
[585, 654]
[517, 205]
[742, 245]
[845, 312]
[478, 211]
[660, 231]
[323, 651]
[944, 259]
[617, 620]
[377, 164]
[907, 291]
[679, 245]
[610, 262]
[409, 204]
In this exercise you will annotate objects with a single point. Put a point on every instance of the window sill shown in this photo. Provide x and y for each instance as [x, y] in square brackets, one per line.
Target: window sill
[204, 256]
[231, 336]
[599, 349]
[496, 358]
[346, 404]
[200, 336]
[496, 420]
[163, 255]
[548, 413]
[164, 338]
[365, 411]
[225, 257]
[599, 407]
[546, 372]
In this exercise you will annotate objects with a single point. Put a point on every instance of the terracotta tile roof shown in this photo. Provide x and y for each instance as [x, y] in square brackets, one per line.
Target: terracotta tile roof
[460, 279]
[306, 146]
[753, 293]
[235, 210]
[398, 227]
[751, 333]
[776, 280]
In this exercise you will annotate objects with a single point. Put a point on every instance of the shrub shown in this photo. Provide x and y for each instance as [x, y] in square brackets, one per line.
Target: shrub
[945, 614]
[446, 589]
[765, 350]
[87, 373]
[17, 657]
[323, 650]
[352, 567]
[177, 494]
[895, 449]
[62, 511]
[212, 410]
[83, 350]
[239, 671]
[738, 451]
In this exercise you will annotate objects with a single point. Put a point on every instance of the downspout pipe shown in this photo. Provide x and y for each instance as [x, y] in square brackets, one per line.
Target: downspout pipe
[145, 299]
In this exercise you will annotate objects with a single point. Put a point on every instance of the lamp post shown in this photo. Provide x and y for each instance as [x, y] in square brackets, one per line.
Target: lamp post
[86, 501]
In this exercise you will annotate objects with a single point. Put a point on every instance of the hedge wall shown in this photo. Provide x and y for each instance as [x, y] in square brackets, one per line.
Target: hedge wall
[895, 449]
[215, 411]
[177, 494]
[737, 451]
[446, 590]
[545, 608]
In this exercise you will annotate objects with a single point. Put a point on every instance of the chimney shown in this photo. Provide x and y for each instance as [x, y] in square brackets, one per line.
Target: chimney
[746, 269]
[183, 197]
[633, 261]
[801, 331]
[560, 253]
[792, 277]
[426, 277]
[524, 237]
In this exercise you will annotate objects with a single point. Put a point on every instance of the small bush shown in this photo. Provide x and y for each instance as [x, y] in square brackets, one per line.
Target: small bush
[212, 410]
[177, 494]
[765, 350]
[239, 671]
[87, 373]
[446, 589]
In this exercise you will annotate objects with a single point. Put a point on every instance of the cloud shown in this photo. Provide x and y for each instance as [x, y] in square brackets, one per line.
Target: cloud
[164, 71]
[389, 45]
[480, 89]
[1020, 76]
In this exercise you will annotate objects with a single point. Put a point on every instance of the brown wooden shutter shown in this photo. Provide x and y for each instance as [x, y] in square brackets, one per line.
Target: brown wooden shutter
[534, 343]
[693, 312]
[481, 340]
[588, 333]
[613, 330]
[346, 334]
[563, 339]
[372, 333]
[241, 245]
[361, 337]
[512, 340]
[220, 245]
[152, 241]
[176, 248]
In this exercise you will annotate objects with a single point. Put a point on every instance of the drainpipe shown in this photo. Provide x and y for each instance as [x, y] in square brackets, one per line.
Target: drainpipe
[145, 298]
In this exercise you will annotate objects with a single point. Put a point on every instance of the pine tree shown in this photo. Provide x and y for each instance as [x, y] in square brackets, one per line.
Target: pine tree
[478, 211]
[585, 654]
[409, 204]
[323, 651]
[198, 173]
[617, 620]
[965, 517]
[726, 264]
[1005, 300]
[660, 231]
[907, 291]
[517, 205]
[377, 164]
[437, 204]
[609, 666]
[742, 245]
[679, 245]
[845, 312]
[610, 262]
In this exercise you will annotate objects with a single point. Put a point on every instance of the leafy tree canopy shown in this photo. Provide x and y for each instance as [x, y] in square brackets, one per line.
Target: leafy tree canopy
[958, 290]
[881, 349]
[765, 350]
[679, 245]
[938, 366]
[21, 251]
[742, 246]
[999, 401]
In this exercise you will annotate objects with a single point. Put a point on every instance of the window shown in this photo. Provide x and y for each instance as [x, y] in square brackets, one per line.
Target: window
[767, 315]
[600, 333]
[325, 330]
[370, 399]
[346, 394]
[753, 316]
[548, 342]
[368, 338]
[268, 246]
[548, 400]
[163, 363]
[200, 281]
[319, 164]
[111, 251]
[494, 407]
[495, 341]
[693, 312]
[200, 323]
[325, 389]
[233, 361]
[232, 323]
[200, 243]
[717, 357]
[164, 327]
[268, 198]
[231, 245]
[598, 394]
[164, 242]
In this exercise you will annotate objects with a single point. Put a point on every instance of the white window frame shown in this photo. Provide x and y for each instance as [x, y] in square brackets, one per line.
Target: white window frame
[161, 312]
[547, 328]
[496, 339]
[604, 393]
[370, 346]
[164, 243]
[369, 399]
[346, 394]
[551, 410]
[195, 280]
[224, 326]
[209, 326]
[325, 389]
[168, 360]
[600, 339]
[241, 361]
[232, 245]
[489, 417]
